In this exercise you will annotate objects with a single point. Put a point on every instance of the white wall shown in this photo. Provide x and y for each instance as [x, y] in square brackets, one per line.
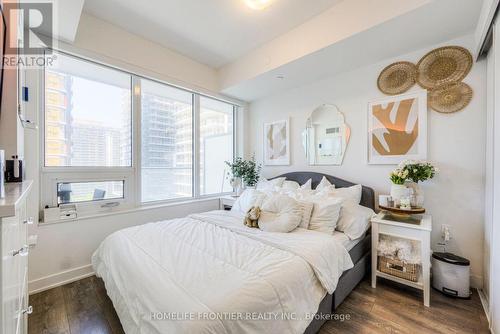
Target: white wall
[488, 221]
[493, 182]
[456, 144]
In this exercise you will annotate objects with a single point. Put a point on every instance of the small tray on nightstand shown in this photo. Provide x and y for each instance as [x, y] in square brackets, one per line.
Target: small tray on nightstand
[412, 211]
[412, 216]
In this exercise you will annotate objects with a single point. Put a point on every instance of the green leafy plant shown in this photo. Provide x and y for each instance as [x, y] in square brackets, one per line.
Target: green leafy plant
[237, 167]
[419, 171]
[247, 170]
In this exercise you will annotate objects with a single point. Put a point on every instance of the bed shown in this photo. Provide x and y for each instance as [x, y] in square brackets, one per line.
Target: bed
[207, 273]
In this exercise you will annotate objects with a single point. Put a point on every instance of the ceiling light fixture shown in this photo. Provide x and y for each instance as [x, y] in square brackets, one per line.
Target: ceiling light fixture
[257, 4]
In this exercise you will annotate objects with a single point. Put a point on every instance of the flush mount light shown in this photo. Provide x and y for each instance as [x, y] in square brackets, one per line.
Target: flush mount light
[257, 4]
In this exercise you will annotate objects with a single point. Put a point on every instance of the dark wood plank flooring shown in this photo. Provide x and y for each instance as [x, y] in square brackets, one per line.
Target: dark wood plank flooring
[83, 307]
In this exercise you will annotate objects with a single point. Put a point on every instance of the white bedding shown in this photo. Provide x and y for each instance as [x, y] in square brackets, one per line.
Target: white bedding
[344, 240]
[217, 276]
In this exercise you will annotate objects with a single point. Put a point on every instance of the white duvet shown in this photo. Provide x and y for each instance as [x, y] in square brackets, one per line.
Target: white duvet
[207, 273]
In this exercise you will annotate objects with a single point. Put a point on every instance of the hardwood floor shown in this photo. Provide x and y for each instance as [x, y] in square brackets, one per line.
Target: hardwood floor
[83, 307]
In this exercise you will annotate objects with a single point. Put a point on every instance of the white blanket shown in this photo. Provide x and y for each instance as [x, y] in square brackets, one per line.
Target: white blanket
[208, 273]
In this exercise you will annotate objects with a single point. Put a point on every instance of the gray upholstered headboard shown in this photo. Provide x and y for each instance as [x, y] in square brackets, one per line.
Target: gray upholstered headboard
[367, 195]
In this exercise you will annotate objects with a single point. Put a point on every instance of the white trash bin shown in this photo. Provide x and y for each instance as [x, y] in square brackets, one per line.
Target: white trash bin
[451, 275]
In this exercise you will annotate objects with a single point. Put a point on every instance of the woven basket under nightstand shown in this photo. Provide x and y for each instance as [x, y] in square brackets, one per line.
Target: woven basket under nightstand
[407, 271]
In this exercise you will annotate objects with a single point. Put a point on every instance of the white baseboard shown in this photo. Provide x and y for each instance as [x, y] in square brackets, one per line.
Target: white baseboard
[486, 307]
[64, 277]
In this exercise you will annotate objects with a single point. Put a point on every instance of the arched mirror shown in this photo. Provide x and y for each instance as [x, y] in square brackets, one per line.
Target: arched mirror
[326, 136]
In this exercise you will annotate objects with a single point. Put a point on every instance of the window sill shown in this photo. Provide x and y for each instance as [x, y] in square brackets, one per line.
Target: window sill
[143, 207]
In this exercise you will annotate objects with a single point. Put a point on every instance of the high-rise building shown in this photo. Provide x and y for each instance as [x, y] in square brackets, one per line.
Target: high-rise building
[93, 144]
[166, 136]
[57, 119]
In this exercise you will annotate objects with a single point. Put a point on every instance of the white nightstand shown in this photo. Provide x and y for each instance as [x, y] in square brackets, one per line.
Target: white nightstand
[385, 223]
[226, 202]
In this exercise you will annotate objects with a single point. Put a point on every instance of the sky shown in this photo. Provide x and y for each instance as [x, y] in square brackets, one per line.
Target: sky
[99, 102]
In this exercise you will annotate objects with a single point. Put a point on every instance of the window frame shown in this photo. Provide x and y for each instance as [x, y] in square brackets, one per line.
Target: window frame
[131, 175]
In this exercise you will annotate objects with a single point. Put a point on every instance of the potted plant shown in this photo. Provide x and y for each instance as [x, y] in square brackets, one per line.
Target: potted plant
[243, 173]
[418, 171]
[252, 173]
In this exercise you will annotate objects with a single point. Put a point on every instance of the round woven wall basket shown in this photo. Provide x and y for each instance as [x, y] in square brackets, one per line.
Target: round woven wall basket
[450, 98]
[443, 66]
[397, 78]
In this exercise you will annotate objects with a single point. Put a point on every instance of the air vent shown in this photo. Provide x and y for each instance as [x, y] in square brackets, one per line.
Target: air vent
[332, 130]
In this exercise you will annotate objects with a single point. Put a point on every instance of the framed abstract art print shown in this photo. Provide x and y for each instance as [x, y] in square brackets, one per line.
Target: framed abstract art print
[277, 143]
[397, 128]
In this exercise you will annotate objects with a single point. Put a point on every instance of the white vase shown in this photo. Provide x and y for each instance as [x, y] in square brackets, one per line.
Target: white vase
[398, 191]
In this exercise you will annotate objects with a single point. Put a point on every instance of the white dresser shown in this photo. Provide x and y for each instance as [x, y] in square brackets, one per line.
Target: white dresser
[14, 222]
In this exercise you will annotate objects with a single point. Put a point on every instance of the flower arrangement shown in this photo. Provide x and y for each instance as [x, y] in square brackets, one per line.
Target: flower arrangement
[247, 170]
[399, 176]
[418, 171]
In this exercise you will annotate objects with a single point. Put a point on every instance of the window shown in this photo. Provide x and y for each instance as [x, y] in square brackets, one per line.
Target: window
[87, 115]
[74, 192]
[166, 142]
[216, 145]
[113, 139]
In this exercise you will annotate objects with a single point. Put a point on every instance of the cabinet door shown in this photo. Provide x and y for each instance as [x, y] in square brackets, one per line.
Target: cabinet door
[22, 324]
[23, 272]
[11, 273]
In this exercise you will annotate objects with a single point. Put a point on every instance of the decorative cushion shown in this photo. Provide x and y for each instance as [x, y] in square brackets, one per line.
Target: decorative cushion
[248, 199]
[324, 185]
[269, 185]
[349, 194]
[325, 214]
[280, 213]
[354, 220]
[307, 209]
[290, 185]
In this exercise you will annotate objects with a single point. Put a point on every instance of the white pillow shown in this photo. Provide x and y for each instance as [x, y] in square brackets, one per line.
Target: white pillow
[326, 213]
[304, 191]
[307, 185]
[279, 213]
[354, 220]
[307, 209]
[324, 184]
[349, 194]
[290, 185]
[249, 198]
[266, 185]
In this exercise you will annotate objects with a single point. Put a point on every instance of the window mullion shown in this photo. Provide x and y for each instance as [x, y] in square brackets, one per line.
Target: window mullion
[137, 138]
[196, 146]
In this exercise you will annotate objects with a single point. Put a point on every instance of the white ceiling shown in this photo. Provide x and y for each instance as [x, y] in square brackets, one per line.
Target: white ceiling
[435, 22]
[213, 32]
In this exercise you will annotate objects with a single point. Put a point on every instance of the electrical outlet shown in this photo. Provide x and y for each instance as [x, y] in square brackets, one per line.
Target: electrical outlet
[446, 232]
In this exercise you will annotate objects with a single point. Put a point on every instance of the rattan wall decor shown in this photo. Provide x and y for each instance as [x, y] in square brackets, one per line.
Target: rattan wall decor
[397, 78]
[440, 71]
[450, 98]
[442, 66]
